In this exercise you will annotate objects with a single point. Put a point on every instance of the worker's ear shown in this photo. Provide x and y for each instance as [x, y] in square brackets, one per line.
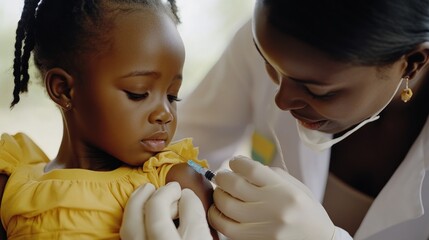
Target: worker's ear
[59, 85]
[416, 60]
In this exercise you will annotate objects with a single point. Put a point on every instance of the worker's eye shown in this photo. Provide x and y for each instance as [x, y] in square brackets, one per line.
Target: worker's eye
[321, 96]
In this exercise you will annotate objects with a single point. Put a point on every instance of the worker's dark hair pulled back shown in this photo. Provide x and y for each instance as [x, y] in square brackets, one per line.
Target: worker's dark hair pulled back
[366, 32]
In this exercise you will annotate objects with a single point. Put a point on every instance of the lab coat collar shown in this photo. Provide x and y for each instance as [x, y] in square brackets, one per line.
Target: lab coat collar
[401, 199]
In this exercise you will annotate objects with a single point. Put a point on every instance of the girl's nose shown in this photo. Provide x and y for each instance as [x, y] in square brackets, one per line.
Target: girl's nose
[162, 114]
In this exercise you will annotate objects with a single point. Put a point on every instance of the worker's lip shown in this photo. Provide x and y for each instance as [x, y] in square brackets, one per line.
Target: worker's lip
[308, 123]
[313, 125]
[156, 142]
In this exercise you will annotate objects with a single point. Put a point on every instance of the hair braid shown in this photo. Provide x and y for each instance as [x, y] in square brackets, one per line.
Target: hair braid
[24, 33]
[174, 9]
[20, 34]
[78, 25]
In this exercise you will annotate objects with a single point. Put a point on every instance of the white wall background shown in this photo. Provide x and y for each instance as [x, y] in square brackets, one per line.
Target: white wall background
[207, 26]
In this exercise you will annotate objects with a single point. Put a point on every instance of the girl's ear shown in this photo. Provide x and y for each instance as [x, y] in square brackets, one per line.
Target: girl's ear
[417, 60]
[59, 85]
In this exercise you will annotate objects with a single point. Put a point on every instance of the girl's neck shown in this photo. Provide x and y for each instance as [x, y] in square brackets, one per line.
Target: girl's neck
[75, 154]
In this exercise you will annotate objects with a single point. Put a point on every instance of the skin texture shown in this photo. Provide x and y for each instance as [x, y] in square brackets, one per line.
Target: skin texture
[187, 178]
[314, 87]
[125, 96]
[123, 102]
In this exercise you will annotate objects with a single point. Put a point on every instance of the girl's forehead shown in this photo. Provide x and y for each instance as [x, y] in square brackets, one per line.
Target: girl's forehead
[146, 29]
[140, 42]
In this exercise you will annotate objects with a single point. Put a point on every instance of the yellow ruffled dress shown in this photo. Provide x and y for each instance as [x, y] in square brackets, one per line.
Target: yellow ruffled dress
[73, 203]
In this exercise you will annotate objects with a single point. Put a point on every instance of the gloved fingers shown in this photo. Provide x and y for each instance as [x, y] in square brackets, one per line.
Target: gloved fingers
[234, 208]
[237, 186]
[279, 171]
[193, 222]
[234, 230]
[223, 224]
[253, 171]
[158, 220]
[286, 176]
[137, 200]
[191, 209]
[132, 226]
[261, 175]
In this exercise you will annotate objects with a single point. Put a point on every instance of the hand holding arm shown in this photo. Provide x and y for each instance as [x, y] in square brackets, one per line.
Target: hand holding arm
[149, 214]
[133, 227]
[256, 202]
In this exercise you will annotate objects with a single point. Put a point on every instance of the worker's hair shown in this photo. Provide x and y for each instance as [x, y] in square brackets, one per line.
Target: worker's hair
[365, 32]
[59, 32]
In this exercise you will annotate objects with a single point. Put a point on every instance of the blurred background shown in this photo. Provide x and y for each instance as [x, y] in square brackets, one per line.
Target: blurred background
[206, 28]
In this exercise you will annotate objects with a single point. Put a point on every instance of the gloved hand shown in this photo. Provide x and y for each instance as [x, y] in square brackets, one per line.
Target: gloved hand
[132, 227]
[256, 202]
[149, 214]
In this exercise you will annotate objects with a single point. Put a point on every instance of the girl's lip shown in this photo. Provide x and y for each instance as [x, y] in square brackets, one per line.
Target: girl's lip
[156, 142]
[154, 145]
[160, 135]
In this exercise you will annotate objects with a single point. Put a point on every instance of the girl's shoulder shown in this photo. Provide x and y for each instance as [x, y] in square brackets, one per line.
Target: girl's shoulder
[158, 167]
[185, 175]
[17, 150]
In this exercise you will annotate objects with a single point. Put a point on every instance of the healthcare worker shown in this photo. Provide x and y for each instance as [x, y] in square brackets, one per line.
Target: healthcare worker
[353, 74]
[234, 105]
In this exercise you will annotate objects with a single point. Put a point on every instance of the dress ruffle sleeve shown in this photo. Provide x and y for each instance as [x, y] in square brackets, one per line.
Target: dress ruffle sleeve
[18, 149]
[181, 151]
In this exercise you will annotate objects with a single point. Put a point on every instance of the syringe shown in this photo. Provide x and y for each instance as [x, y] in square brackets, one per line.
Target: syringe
[207, 173]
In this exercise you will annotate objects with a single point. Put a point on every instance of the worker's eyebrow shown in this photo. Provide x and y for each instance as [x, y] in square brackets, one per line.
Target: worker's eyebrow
[302, 81]
[259, 51]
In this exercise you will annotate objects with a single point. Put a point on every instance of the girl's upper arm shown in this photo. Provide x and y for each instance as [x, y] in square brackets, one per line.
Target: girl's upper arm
[188, 178]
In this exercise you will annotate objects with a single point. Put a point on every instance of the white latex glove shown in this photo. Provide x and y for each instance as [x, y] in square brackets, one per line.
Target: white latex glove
[132, 227]
[256, 202]
[149, 214]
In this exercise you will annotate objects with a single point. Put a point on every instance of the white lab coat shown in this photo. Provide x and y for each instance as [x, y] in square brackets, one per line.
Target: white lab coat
[236, 98]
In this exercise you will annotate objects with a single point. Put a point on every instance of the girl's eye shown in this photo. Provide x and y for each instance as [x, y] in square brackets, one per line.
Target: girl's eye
[172, 98]
[136, 96]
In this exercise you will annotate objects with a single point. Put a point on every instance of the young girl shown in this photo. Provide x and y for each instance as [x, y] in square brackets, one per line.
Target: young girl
[115, 69]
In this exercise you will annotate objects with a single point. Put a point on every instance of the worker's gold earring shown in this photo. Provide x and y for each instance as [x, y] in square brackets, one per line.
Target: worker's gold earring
[407, 93]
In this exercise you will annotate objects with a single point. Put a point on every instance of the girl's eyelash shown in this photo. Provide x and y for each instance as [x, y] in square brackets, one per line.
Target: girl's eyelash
[136, 96]
[141, 96]
[173, 98]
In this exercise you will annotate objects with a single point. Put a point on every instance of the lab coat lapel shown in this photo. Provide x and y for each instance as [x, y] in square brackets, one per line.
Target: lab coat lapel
[315, 165]
[400, 200]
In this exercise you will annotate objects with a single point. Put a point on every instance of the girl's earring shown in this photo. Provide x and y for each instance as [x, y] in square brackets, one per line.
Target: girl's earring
[68, 106]
[407, 93]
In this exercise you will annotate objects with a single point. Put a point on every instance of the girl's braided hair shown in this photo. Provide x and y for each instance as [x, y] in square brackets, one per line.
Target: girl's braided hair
[60, 31]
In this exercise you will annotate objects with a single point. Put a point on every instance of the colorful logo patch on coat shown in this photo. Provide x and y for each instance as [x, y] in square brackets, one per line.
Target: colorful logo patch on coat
[263, 149]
